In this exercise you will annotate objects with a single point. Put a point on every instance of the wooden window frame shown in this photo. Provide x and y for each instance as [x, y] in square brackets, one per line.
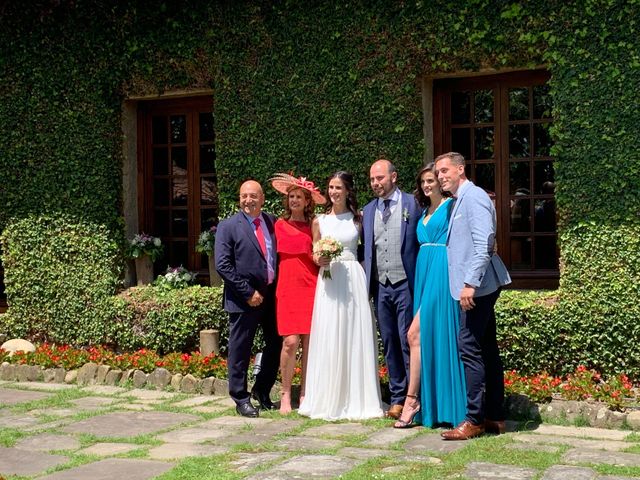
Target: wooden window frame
[500, 83]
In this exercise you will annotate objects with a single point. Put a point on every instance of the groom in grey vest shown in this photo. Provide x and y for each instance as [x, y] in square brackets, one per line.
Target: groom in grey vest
[390, 251]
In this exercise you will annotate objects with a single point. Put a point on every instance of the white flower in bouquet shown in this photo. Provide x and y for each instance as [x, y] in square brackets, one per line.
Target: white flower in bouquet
[328, 247]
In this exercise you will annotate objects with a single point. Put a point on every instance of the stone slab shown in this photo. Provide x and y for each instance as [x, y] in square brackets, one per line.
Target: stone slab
[174, 451]
[18, 421]
[226, 402]
[432, 442]
[491, 471]
[307, 443]
[55, 412]
[210, 409]
[47, 387]
[581, 432]
[193, 435]
[249, 461]
[17, 461]
[610, 445]
[389, 436]
[136, 406]
[363, 453]
[564, 472]
[108, 469]
[127, 424]
[534, 447]
[309, 466]
[237, 422]
[195, 401]
[142, 394]
[337, 430]
[93, 403]
[104, 389]
[108, 449]
[55, 424]
[9, 396]
[45, 442]
[576, 456]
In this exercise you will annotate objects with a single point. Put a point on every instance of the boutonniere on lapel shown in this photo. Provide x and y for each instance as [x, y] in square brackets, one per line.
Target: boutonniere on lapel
[405, 214]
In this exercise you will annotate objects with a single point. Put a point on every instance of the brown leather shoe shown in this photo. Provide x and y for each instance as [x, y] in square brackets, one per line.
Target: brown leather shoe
[494, 426]
[464, 431]
[394, 411]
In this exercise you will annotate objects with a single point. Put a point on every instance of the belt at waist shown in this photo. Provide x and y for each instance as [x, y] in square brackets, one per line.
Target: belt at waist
[433, 245]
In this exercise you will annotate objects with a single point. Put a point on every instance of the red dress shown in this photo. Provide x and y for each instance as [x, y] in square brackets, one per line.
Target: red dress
[297, 277]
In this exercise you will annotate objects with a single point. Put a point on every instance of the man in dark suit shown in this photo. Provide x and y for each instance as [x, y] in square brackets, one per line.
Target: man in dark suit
[390, 251]
[245, 254]
[476, 276]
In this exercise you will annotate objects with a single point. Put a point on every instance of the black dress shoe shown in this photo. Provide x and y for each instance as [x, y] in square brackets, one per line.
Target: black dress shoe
[247, 410]
[263, 400]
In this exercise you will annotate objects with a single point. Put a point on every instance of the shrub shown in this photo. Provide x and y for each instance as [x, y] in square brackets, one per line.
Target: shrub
[166, 320]
[60, 273]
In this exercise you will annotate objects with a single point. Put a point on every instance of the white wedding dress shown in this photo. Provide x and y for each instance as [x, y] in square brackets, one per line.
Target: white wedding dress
[342, 371]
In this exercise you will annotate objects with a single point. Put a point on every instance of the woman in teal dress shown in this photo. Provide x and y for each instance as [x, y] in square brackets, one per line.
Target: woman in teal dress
[436, 372]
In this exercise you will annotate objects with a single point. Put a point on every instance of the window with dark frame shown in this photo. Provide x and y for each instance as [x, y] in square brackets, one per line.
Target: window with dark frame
[500, 123]
[177, 177]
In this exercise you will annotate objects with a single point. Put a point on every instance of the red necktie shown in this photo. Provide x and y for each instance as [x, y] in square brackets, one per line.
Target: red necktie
[260, 235]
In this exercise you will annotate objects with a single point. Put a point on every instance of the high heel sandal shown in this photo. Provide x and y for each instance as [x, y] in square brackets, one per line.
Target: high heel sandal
[409, 423]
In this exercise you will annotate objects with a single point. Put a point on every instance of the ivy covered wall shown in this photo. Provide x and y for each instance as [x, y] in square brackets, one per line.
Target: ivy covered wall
[320, 85]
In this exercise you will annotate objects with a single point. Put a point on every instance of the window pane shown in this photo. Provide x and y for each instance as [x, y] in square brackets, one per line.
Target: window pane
[179, 254]
[206, 127]
[160, 161]
[207, 159]
[541, 139]
[161, 223]
[461, 141]
[159, 129]
[520, 253]
[161, 192]
[179, 160]
[518, 104]
[519, 178]
[484, 142]
[207, 219]
[178, 129]
[520, 216]
[179, 223]
[180, 192]
[543, 178]
[545, 215]
[518, 141]
[460, 107]
[486, 177]
[546, 253]
[207, 191]
[541, 102]
[483, 106]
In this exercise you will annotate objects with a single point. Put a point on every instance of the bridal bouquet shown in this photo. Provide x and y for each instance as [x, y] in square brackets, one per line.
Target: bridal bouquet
[327, 247]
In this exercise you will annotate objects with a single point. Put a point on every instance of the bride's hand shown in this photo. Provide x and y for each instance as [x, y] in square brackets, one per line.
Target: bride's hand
[321, 261]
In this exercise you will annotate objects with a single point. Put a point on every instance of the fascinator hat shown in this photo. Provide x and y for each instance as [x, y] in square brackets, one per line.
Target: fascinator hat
[283, 182]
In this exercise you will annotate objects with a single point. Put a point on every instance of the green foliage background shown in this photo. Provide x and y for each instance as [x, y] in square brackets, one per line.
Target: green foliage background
[315, 86]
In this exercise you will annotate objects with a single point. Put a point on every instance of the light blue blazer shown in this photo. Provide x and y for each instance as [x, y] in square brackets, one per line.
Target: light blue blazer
[470, 244]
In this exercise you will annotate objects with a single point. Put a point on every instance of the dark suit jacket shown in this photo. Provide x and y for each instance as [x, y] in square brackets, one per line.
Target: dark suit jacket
[409, 250]
[240, 261]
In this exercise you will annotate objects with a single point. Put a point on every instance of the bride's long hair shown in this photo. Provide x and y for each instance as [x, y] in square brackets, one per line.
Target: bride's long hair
[352, 202]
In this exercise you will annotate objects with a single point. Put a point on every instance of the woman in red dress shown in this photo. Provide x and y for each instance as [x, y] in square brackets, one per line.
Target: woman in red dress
[297, 276]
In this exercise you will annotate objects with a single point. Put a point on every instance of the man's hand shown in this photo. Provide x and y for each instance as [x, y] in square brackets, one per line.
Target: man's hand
[256, 299]
[466, 298]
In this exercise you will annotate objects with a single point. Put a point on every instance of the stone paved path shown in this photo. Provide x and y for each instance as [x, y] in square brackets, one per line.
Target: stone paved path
[51, 431]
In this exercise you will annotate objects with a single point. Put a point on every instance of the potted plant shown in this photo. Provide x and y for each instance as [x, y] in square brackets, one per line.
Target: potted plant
[145, 250]
[178, 277]
[206, 243]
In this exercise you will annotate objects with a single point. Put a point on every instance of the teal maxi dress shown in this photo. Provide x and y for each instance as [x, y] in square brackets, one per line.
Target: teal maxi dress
[442, 385]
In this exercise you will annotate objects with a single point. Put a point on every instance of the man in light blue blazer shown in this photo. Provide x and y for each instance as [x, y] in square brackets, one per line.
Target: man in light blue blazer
[476, 275]
[390, 251]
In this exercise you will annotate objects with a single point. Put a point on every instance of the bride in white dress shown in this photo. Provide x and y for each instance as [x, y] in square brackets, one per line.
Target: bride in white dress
[342, 371]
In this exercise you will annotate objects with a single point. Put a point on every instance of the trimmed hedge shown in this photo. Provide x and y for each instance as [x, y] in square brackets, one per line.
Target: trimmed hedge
[60, 274]
[167, 320]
